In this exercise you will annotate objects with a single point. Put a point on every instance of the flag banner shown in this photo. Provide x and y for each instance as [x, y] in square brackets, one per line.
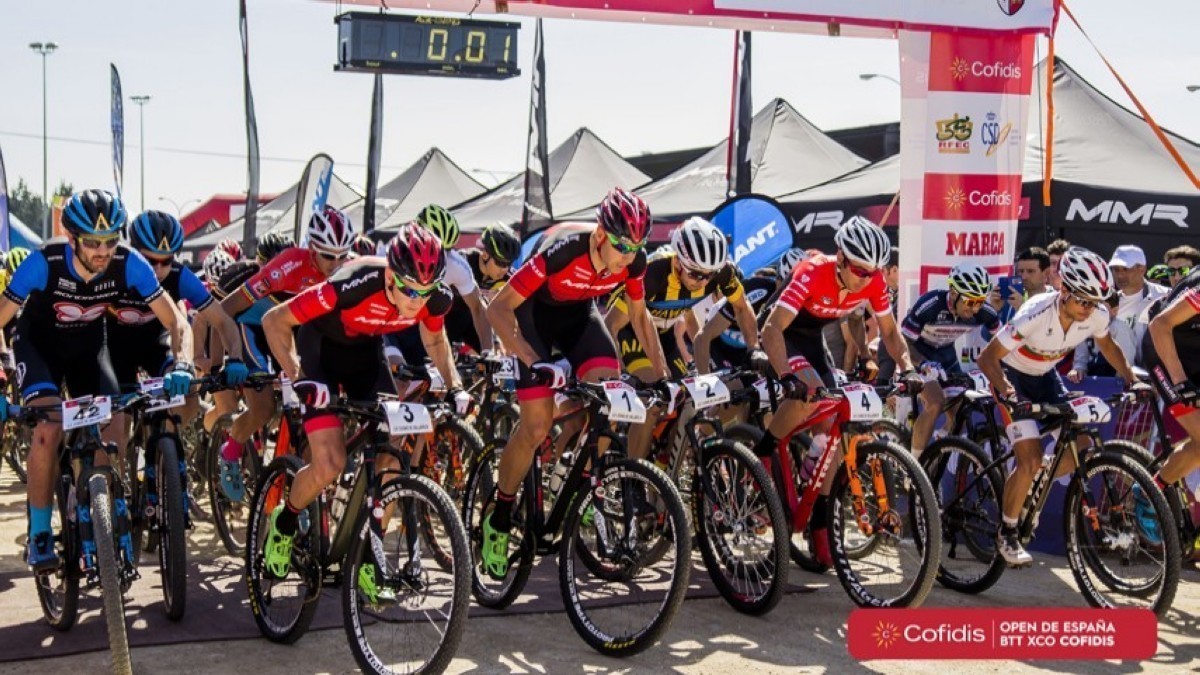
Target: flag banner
[5, 225]
[374, 149]
[312, 193]
[537, 213]
[740, 173]
[118, 130]
[250, 229]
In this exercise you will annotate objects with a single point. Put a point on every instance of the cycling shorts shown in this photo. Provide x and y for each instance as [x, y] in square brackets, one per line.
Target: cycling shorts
[806, 349]
[257, 351]
[576, 331]
[460, 326]
[359, 371]
[146, 348]
[78, 359]
[635, 358]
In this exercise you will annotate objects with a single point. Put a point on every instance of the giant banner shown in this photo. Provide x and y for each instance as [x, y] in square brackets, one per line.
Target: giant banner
[966, 106]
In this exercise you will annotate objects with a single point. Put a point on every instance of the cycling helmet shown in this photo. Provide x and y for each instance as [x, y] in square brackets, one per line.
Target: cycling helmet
[272, 244]
[157, 232]
[500, 242]
[216, 262]
[1159, 273]
[232, 247]
[863, 242]
[970, 281]
[233, 277]
[415, 254]
[440, 222]
[94, 213]
[14, 258]
[363, 245]
[624, 215]
[788, 261]
[700, 245]
[330, 230]
[1085, 274]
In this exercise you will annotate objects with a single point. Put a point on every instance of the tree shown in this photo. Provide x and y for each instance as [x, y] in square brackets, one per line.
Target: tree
[29, 207]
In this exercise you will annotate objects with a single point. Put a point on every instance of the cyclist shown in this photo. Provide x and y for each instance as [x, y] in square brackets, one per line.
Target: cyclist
[229, 276]
[491, 267]
[63, 291]
[458, 274]
[363, 246]
[231, 247]
[330, 236]
[694, 267]
[549, 304]
[931, 327]
[329, 338]
[823, 289]
[272, 244]
[1020, 364]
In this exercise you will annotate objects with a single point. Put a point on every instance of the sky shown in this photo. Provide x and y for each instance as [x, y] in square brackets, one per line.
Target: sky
[640, 88]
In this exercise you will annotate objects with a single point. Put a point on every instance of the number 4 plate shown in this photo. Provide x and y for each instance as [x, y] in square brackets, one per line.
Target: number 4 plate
[865, 404]
[85, 411]
[706, 390]
[407, 418]
[623, 403]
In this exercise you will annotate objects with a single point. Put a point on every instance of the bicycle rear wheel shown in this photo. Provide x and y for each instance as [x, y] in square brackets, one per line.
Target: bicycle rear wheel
[283, 608]
[231, 517]
[172, 530]
[58, 591]
[1177, 497]
[456, 445]
[640, 537]
[1122, 553]
[402, 615]
[110, 573]
[900, 570]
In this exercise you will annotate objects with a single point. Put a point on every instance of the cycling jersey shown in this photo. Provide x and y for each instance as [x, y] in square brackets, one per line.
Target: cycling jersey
[814, 293]
[932, 328]
[488, 288]
[180, 283]
[1186, 334]
[285, 275]
[667, 299]
[561, 271]
[758, 291]
[458, 274]
[1035, 337]
[352, 306]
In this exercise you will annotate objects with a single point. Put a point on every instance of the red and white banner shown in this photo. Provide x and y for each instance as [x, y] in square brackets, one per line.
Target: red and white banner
[965, 109]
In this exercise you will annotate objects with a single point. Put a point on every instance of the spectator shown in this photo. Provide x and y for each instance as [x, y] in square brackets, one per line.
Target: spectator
[1055, 250]
[1032, 266]
[1181, 260]
[1088, 360]
[1128, 266]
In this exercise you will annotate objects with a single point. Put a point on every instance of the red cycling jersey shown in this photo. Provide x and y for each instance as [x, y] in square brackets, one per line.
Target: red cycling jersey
[289, 273]
[813, 294]
[561, 272]
[353, 306]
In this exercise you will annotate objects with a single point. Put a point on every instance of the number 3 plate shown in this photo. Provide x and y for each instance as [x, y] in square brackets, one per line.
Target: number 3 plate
[407, 418]
[623, 403]
[706, 390]
[865, 404]
[81, 412]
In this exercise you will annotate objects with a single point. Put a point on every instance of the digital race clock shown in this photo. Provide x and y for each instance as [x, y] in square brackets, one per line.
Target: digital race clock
[427, 45]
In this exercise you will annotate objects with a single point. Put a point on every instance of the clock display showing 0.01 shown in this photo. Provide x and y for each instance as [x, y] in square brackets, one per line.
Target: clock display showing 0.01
[424, 45]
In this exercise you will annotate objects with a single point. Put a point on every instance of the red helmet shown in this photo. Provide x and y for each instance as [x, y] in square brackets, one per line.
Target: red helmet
[416, 254]
[230, 246]
[625, 215]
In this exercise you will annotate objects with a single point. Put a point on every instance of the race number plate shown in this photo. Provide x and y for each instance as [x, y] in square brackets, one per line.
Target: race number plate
[706, 390]
[981, 382]
[154, 387]
[437, 385]
[407, 418]
[764, 397]
[1091, 410]
[507, 372]
[85, 411]
[623, 403]
[865, 404]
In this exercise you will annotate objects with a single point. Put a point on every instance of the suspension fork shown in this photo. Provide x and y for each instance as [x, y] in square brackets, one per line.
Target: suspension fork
[857, 495]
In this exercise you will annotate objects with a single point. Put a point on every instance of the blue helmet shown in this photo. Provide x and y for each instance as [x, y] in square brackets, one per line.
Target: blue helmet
[94, 213]
[157, 232]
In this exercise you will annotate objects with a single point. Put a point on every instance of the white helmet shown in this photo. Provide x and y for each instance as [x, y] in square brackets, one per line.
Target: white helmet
[863, 242]
[330, 230]
[970, 280]
[700, 245]
[788, 261]
[1085, 274]
[215, 264]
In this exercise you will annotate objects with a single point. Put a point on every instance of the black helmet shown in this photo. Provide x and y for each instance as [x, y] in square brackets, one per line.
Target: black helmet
[500, 242]
[271, 245]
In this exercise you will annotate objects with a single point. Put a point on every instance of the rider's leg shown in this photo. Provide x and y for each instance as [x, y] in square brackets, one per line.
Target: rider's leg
[537, 414]
[1186, 458]
[932, 399]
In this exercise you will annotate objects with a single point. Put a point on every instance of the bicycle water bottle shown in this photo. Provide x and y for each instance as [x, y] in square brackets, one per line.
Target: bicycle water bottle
[809, 466]
[83, 515]
[560, 472]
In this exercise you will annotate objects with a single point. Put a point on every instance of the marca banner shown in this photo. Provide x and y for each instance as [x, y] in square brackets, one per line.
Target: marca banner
[374, 150]
[966, 106]
[758, 230]
[118, 130]
[5, 225]
[312, 193]
[537, 213]
[739, 170]
[250, 229]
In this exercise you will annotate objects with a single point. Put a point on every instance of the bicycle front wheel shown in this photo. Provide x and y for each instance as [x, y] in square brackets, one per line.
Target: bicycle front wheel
[638, 534]
[172, 539]
[58, 591]
[401, 613]
[110, 573]
[898, 508]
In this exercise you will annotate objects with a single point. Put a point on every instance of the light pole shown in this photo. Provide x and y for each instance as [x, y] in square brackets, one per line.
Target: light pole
[45, 49]
[179, 209]
[870, 76]
[141, 102]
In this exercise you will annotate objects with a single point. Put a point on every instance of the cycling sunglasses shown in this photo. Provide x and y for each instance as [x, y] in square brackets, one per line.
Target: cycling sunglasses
[624, 245]
[158, 262]
[972, 302]
[97, 242]
[333, 257]
[410, 292]
[1182, 271]
[860, 272]
[698, 276]
[1084, 303]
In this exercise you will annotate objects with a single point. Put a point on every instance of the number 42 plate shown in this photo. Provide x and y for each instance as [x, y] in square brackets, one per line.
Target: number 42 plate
[85, 411]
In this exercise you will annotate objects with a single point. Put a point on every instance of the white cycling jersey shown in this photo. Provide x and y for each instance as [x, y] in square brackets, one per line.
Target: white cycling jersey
[458, 274]
[1035, 337]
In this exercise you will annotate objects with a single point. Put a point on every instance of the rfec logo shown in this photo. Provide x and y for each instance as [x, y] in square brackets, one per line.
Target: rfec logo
[886, 633]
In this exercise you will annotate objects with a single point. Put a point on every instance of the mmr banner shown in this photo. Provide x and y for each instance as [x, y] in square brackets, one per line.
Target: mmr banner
[966, 105]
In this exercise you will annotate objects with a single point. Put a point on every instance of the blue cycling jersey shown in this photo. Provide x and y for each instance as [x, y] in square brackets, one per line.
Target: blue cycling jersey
[931, 328]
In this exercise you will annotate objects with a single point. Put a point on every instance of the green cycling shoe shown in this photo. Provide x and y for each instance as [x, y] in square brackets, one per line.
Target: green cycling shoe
[494, 555]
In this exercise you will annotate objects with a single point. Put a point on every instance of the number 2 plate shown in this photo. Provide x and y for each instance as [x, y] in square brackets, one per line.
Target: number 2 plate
[706, 390]
[407, 418]
[85, 411]
[623, 403]
[865, 404]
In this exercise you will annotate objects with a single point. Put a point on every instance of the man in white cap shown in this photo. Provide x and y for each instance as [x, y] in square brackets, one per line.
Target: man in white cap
[1128, 266]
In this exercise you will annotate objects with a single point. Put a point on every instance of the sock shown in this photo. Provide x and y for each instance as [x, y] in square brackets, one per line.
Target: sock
[1160, 483]
[39, 520]
[766, 445]
[231, 450]
[1009, 523]
[289, 520]
[820, 513]
[502, 514]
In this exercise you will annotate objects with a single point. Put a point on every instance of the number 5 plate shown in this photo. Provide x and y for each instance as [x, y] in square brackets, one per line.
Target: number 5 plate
[1090, 410]
[81, 412]
[407, 418]
[706, 390]
[623, 403]
[865, 404]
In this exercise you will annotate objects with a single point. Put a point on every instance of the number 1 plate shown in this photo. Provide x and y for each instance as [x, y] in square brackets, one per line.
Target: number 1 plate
[85, 411]
[865, 404]
[706, 390]
[407, 418]
[623, 403]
